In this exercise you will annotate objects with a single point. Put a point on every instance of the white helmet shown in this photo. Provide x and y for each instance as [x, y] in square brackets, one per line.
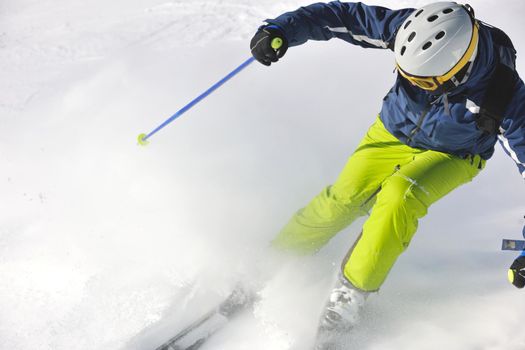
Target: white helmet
[436, 41]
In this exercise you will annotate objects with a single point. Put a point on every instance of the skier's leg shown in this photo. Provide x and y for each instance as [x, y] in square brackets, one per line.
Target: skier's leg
[404, 198]
[337, 206]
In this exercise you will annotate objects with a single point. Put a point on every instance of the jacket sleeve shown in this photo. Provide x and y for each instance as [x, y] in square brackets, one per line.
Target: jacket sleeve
[513, 137]
[359, 24]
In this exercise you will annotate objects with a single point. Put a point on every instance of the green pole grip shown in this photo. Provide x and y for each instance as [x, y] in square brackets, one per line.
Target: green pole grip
[511, 276]
[276, 43]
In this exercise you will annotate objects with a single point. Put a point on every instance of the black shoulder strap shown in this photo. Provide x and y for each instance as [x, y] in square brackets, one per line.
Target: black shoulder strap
[497, 97]
[500, 37]
[501, 85]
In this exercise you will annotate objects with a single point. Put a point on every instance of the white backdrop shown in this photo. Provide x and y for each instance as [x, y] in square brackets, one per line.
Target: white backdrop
[106, 245]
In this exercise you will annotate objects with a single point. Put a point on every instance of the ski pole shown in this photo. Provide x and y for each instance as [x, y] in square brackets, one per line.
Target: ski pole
[142, 138]
[514, 244]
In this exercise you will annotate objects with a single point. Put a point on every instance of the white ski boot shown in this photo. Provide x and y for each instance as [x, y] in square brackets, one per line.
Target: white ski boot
[344, 307]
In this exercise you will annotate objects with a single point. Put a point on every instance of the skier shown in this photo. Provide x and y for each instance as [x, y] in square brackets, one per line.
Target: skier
[456, 93]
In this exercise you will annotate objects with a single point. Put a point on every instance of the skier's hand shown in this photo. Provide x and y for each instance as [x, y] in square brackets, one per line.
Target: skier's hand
[517, 272]
[268, 44]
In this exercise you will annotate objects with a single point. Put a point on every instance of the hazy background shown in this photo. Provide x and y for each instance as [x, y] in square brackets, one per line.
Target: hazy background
[107, 245]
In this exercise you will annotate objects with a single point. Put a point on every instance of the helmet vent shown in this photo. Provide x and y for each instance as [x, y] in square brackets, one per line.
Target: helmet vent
[419, 12]
[412, 36]
[407, 24]
[439, 35]
[427, 45]
[403, 49]
[432, 18]
[449, 10]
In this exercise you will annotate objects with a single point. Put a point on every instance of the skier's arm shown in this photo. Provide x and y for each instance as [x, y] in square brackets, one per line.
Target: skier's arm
[359, 24]
[513, 137]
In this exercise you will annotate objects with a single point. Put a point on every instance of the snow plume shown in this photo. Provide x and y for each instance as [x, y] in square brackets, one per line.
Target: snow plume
[106, 245]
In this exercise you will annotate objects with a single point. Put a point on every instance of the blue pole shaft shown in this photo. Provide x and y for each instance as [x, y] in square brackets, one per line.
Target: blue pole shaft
[200, 97]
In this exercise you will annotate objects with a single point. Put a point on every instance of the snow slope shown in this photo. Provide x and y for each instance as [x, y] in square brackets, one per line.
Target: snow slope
[106, 245]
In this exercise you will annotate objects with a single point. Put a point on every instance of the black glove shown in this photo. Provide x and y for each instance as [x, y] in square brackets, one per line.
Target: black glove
[268, 44]
[517, 272]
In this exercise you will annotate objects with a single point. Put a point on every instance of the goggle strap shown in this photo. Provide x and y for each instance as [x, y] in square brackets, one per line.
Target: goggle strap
[470, 11]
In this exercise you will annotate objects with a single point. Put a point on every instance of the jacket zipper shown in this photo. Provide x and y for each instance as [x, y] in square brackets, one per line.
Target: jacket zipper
[419, 123]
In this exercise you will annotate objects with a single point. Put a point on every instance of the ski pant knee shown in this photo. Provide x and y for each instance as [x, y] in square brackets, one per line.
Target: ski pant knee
[314, 225]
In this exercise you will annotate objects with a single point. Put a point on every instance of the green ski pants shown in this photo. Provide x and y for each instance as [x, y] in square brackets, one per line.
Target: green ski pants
[395, 184]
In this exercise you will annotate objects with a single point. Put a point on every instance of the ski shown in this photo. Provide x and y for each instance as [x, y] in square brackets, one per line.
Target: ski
[196, 334]
[327, 341]
[512, 244]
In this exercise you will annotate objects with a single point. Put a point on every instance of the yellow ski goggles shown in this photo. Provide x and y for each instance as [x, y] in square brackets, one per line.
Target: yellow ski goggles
[433, 83]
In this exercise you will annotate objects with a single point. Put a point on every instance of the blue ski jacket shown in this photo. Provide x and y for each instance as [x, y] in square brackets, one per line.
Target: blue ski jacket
[445, 123]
